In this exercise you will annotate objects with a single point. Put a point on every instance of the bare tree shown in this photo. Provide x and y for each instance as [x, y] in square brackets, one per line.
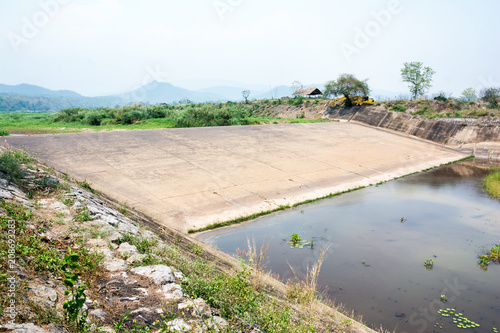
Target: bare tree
[296, 85]
[245, 94]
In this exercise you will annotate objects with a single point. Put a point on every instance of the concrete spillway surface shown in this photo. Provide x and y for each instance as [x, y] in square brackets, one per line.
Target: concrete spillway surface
[191, 177]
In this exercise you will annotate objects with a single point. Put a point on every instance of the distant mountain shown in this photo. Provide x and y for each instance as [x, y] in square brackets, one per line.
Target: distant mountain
[32, 90]
[163, 92]
[26, 97]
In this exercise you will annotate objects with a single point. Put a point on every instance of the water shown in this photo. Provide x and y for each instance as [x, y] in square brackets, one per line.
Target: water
[375, 266]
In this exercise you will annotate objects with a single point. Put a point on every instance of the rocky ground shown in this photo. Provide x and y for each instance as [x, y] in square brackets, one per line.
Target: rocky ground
[122, 289]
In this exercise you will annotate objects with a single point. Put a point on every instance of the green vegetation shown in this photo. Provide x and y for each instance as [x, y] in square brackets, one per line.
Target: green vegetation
[4, 132]
[398, 108]
[419, 78]
[458, 318]
[75, 317]
[492, 184]
[469, 94]
[296, 241]
[493, 255]
[11, 162]
[347, 85]
[143, 117]
[429, 264]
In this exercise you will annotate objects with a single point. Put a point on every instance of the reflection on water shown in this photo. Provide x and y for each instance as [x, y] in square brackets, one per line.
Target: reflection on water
[376, 264]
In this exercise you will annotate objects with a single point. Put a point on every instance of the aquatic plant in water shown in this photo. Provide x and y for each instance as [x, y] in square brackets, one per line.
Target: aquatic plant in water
[458, 318]
[429, 264]
[492, 255]
[296, 241]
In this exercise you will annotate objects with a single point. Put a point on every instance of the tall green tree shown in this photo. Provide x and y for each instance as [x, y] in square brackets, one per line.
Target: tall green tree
[418, 77]
[347, 85]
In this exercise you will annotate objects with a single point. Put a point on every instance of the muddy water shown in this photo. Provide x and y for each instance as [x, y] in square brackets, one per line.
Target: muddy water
[375, 265]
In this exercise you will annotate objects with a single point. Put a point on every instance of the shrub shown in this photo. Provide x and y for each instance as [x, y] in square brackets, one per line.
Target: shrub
[297, 101]
[11, 161]
[4, 132]
[398, 108]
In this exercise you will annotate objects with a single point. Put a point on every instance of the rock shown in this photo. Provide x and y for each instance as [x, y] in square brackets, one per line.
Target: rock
[197, 308]
[115, 265]
[178, 275]
[160, 274]
[60, 207]
[172, 291]
[219, 322]
[45, 294]
[114, 236]
[128, 228]
[78, 206]
[5, 194]
[111, 220]
[98, 313]
[142, 311]
[54, 328]
[125, 249]
[178, 325]
[107, 253]
[23, 328]
[135, 258]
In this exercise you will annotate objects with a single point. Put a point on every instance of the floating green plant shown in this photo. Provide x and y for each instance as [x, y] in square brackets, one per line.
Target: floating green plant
[458, 318]
[429, 264]
[403, 220]
[443, 298]
[364, 263]
[495, 330]
[296, 241]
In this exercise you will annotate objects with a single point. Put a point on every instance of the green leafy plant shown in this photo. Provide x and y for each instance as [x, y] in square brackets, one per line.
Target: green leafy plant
[429, 264]
[295, 239]
[76, 317]
[196, 249]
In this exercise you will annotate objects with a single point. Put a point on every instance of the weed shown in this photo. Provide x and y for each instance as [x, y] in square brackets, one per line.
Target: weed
[83, 216]
[86, 185]
[196, 249]
[76, 317]
[429, 264]
[304, 292]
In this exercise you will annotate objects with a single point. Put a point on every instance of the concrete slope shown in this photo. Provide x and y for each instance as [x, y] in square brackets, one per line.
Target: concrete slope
[191, 177]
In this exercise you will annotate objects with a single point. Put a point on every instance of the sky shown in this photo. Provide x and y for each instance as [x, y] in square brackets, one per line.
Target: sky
[102, 47]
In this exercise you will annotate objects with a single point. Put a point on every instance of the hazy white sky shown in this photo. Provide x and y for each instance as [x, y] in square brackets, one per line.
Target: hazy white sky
[100, 47]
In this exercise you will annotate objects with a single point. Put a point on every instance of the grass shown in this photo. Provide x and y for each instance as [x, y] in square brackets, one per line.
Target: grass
[492, 184]
[44, 123]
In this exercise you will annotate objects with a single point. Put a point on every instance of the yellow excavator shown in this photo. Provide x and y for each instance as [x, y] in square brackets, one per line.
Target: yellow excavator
[356, 100]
